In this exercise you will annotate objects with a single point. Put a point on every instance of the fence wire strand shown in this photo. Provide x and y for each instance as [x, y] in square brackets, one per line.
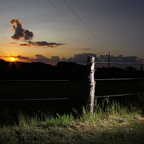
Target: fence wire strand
[116, 95]
[127, 63]
[34, 80]
[34, 99]
[112, 79]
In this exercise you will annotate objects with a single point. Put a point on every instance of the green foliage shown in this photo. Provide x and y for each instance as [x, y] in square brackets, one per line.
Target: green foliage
[105, 126]
[141, 101]
[59, 121]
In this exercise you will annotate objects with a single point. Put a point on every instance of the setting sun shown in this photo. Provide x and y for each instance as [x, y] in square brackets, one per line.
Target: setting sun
[12, 59]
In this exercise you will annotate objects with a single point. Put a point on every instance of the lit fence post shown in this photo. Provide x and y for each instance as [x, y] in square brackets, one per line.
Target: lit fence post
[91, 71]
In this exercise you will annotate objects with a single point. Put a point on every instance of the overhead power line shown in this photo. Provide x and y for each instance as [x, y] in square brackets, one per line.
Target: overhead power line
[74, 24]
[84, 24]
[2, 52]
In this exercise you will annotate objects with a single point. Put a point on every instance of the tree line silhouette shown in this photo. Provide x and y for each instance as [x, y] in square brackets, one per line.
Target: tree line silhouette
[63, 70]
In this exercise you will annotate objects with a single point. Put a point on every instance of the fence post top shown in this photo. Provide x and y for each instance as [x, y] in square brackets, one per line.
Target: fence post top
[91, 59]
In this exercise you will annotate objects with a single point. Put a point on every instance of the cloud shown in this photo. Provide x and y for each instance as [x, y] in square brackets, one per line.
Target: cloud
[139, 60]
[12, 43]
[24, 45]
[55, 58]
[103, 58]
[42, 58]
[81, 57]
[21, 57]
[20, 33]
[119, 58]
[18, 57]
[26, 35]
[80, 49]
[44, 43]
[129, 59]
[39, 43]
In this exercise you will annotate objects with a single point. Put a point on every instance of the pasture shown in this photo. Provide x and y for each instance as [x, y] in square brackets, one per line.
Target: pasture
[52, 121]
[77, 93]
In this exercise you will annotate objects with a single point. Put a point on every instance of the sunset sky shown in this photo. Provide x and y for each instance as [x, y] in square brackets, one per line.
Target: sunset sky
[70, 30]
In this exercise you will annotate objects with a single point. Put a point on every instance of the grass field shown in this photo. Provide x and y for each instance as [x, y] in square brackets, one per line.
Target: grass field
[77, 93]
[113, 125]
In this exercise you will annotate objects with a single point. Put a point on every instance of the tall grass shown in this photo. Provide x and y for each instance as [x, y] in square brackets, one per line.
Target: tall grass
[110, 123]
[105, 110]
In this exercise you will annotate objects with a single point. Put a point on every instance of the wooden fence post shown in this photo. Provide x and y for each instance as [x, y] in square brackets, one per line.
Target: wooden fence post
[91, 71]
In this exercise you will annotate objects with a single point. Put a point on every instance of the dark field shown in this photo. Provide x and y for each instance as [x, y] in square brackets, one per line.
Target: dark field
[41, 89]
[119, 87]
[76, 91]
[70, 89]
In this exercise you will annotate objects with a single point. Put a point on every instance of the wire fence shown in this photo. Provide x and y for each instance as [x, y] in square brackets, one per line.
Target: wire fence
[117, 95]
[34, 80]
[43, 99]
[125, 63]
[118, 79]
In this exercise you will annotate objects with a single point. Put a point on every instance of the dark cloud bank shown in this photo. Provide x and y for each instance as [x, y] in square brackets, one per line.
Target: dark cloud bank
[82, 58]
[41, 44]
[26, 35]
